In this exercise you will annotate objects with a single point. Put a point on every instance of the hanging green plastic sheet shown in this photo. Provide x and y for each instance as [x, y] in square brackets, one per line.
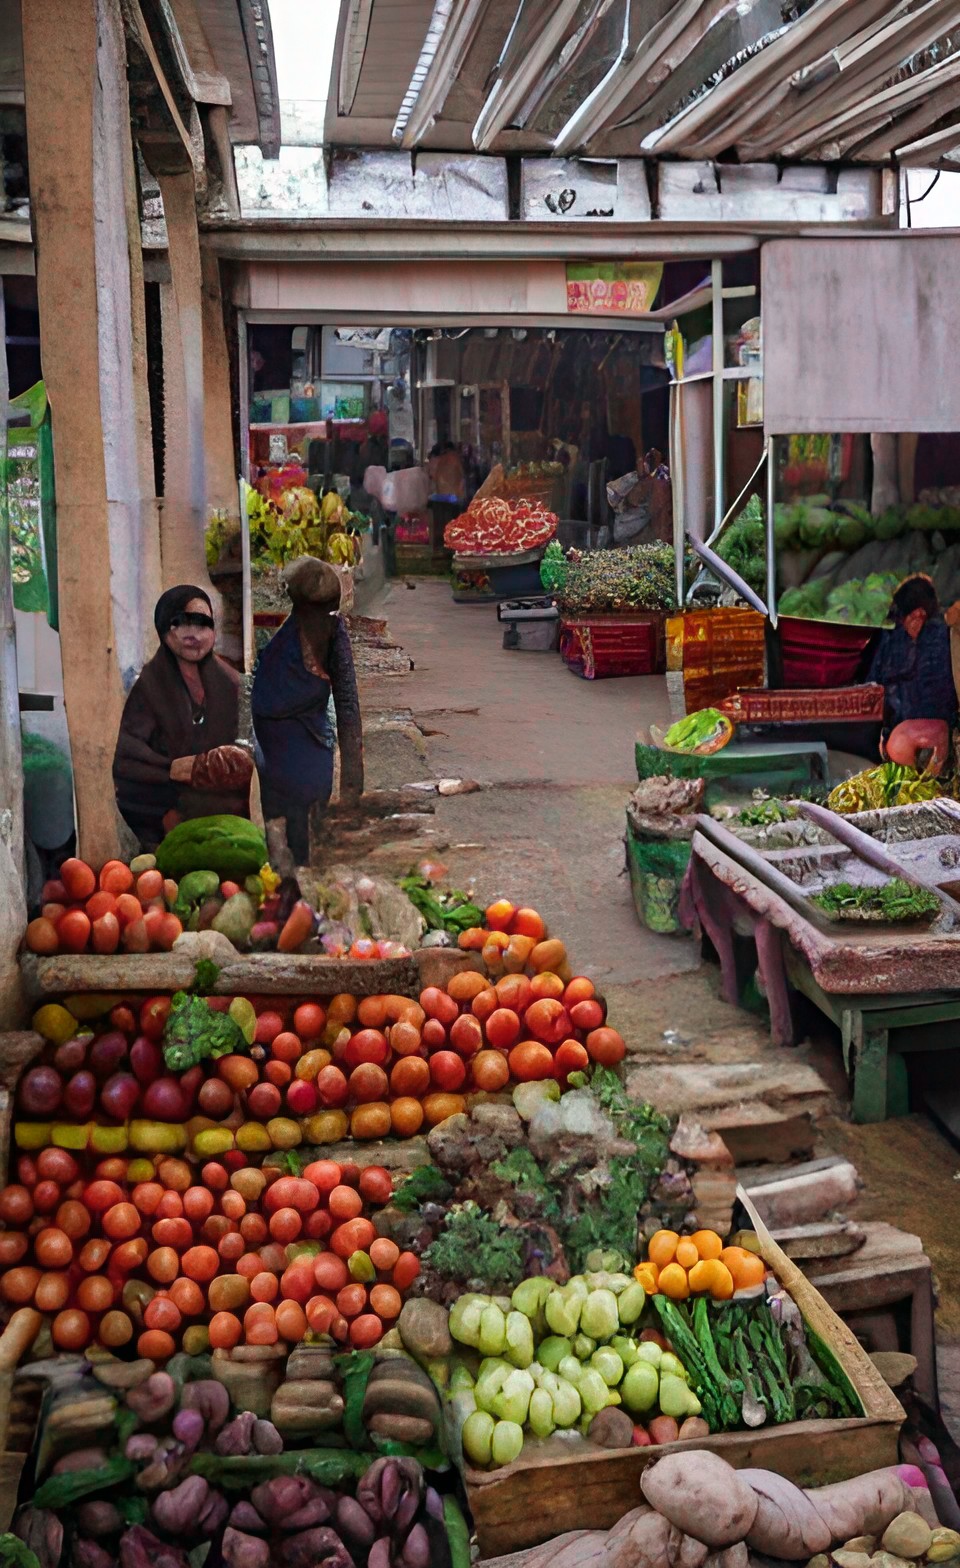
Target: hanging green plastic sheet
[657, 867]
[31, 505]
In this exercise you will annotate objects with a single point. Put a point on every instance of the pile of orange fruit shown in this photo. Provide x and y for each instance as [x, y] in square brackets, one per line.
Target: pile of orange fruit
[681, 1266]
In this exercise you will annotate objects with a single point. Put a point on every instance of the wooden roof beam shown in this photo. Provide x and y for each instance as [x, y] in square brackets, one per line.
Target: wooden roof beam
[530, 46]
[437, 69]
[738, 27]
[929, 150]
[352, 46]
[727, 112]
[863, 65]
[648, 55]
[892, 99]
[908, 127]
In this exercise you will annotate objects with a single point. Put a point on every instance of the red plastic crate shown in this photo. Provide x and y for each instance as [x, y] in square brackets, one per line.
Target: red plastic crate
[610, 645]
[821, 653]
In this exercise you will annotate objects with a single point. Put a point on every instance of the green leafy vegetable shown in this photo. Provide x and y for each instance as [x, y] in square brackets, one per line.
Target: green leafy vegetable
[472, 1245]
[205, 977]
[637, 577]
[892, 900]
[522, 1171]
[14, 1552]
[450, 911]
[697, 729]
[426, 1184]
[765, 813]
[242, 1472]
[608, 1218]
[354, 1368]
[59, 1491]
[193, 1031]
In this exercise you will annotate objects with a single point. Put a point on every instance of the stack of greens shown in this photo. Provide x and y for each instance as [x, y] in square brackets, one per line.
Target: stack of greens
[743, 545]
[865, 603]
[442, 911]
[891, 901]
[636, 577]
[754, 1362]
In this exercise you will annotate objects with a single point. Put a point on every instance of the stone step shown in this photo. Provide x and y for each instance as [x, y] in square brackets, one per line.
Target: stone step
[786, 1086]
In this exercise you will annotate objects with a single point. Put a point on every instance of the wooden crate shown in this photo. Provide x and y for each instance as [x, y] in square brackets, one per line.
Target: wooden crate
[537, 1498]
[20, 1403]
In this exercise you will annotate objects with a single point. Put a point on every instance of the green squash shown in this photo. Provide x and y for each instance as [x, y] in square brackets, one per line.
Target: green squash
[231, 846]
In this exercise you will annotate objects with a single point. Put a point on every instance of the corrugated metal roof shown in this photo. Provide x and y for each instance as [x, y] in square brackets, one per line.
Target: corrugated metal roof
[730, 79]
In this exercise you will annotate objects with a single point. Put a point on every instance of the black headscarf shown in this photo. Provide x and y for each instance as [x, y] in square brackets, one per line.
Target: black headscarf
[173, 603]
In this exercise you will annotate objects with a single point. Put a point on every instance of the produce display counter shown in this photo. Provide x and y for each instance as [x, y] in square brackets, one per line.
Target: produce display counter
[534, 1499]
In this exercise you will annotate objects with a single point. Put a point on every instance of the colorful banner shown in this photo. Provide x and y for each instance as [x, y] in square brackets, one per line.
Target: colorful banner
[612, 288]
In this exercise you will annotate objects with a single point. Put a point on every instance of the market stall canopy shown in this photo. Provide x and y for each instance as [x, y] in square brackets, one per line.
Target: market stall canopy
[860, 79]
[859, 335]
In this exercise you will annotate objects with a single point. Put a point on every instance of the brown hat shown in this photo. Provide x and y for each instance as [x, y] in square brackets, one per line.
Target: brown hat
[311, 581]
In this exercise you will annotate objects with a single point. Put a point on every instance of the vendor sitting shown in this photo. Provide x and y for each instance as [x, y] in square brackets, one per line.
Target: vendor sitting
[176, 753]
[912, 663]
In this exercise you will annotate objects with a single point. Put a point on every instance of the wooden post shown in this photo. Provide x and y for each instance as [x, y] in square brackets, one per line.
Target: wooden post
[183, 515]
[78, 125]
[12, 872]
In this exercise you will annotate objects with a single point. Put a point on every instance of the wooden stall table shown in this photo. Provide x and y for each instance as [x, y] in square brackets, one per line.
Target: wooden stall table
[779, 766]
[872, 981]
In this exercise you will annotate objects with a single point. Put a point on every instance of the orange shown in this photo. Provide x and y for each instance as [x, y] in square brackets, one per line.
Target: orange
[707, 1243]
[662, 1247]
[745, 1267]
[526, 922]
[686, 1254]
[437, 1107]
[547, 985]
[466, 985]
[646, 1273]
[406, 1115]
[673, 1282]
[410, 1076]
[711, 1275]
[370, 1120]
[499, 915]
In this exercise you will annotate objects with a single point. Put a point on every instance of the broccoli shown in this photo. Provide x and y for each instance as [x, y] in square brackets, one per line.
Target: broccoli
[193, 1031]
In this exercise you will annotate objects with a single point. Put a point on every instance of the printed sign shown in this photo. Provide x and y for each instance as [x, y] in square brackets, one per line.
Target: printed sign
[612, 288]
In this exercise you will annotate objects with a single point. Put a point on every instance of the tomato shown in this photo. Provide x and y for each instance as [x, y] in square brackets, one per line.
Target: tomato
[530, 1061]
[499, 915]
[406, 1116]
[269, 1025]
[606, 1046]
[309, 1021]
[579, 989]
[571, 1057]
[115, 877]
[376, 1184]
[105, 936]
[153, 1016]
[100, 904]
[325, 1174]
[466, 1035]
[367, 1045]
[587, 1014]
[434, 1034]
[437, 1004]
[291, 1321]
[121, 1222]
[490, 1071]
[16, 1205]
[71, 1329]
[57, 1165]
[503, 1028]
[526, 922]
[102, 1195]
[547, 1020]
[73, 931]
[332, 1087]
[405, 1270]
[353, 1236]
[78, 879]
[448, 1071]
[515, 992]
[129, 910]
[352, 1300]
[286, 1047]
[53, 1248]
[41, 937]
[367, 1083]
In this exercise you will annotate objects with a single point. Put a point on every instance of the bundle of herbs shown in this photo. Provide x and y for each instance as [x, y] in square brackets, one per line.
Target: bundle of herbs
[636, 577]
[441, 910]
[893, 900]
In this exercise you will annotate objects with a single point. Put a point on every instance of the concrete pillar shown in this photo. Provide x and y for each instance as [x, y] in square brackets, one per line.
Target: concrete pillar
[78, 131]
[886, 479]
[183, 512]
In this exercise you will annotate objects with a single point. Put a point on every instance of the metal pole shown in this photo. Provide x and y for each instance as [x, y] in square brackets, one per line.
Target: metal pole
[771, 536]
[716, 277]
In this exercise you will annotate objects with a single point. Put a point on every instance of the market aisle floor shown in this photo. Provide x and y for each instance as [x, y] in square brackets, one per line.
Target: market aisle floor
[554, 756]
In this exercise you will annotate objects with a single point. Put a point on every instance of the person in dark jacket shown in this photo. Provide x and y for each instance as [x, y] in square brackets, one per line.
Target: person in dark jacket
[176, 753]
[912, 661]
[308, 660]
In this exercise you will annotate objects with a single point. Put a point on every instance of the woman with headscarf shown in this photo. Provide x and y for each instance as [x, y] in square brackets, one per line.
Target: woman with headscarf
[176, 753]
[308, 660]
